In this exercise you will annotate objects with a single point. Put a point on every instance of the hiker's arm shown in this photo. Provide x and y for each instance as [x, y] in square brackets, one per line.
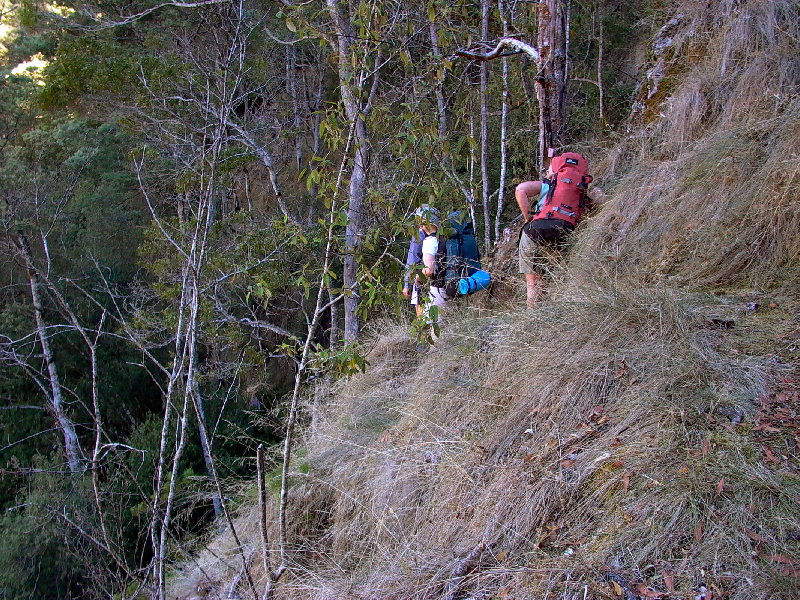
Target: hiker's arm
[413, 258]
[525, 190]
[429, 260]
[596, 197]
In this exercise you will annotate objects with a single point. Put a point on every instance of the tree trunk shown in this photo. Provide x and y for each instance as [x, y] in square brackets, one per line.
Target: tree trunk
[487, 219]
[72, 449]
[600, 50]
[551, 81]
[358, 177]
[441, 106]
[335, 334]
[472, 162]
[291, 84]
[205, 441]
[503, 127]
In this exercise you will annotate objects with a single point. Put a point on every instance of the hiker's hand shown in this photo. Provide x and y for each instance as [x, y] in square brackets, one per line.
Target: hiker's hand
[427, 271]
[406, 292]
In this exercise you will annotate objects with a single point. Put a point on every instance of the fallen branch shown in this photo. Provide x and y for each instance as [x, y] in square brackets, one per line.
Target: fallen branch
[462, 568]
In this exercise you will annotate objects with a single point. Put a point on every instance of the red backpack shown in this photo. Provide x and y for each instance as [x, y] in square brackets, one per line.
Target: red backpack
[567, 196]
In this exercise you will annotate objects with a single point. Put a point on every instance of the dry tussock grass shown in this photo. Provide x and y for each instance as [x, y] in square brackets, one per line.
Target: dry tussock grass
[730, 62]
[533, 441]
[726, 212]
[707, 194]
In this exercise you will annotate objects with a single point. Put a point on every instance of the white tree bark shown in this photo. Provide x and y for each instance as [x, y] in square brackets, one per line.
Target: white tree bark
[441, 106]
[503, 131]
[484, 103]
[72, 450]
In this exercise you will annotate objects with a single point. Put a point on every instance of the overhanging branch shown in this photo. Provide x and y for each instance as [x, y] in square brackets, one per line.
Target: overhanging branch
[512, 44]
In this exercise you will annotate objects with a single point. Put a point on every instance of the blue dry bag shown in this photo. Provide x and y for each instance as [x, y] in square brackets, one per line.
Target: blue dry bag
[479, 280]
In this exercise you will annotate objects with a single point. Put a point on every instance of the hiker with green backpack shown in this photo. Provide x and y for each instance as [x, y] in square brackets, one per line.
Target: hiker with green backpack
[560, 202]
[448, 253]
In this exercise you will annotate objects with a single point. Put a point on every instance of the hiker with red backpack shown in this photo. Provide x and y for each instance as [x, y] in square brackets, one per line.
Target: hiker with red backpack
[560, 201]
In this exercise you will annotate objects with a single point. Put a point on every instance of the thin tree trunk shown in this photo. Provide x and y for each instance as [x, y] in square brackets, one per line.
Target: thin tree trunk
[551, 82]
[353, 234]
[600, 50]
[316, 139]
[72, 448]
[247, 192]
[503, 127]
[335, 334]
[291, 82]
[205, 443]
[161, 548]
[358, 177]
[484, 92]
[567, 6]
[301, 366]
[472, 161]
[439, 85]
[266, 552]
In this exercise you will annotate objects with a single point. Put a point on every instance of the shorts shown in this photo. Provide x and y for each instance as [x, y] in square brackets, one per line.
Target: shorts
[439, 296]
[541, 243]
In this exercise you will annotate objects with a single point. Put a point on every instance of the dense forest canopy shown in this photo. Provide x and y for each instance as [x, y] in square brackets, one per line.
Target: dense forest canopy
[205, 204]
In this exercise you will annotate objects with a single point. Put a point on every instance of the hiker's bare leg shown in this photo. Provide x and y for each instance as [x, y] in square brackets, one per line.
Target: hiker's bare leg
[534, 288]
[414, 293]
[437, 299]
[529, 261]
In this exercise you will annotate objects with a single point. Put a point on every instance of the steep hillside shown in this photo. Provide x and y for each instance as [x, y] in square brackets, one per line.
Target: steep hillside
[634, 436]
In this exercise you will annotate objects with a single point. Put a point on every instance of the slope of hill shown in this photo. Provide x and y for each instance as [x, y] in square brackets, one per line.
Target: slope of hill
[634, 436]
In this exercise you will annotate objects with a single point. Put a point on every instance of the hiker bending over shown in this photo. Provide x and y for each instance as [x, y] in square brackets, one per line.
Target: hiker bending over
[429, 227]
[559, 202]
[448, 253]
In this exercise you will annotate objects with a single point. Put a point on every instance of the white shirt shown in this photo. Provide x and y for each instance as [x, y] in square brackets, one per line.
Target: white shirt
[430, 246]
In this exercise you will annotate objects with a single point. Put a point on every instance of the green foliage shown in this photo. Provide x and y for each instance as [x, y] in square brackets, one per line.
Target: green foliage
[72, 172]
[40, 555]
[89, 65]
[342, 362]
[425, 328]
[614, 24]
[28, 14]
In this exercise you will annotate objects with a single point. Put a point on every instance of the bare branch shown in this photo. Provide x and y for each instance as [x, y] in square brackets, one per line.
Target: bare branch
[464, 566]
[584, 80]
[513, 45]
[255, 324]
[133, 18]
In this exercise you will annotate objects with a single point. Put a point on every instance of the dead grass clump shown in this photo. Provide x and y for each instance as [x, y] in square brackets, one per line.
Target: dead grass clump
[727, 212]
[718, 64]
[594, 441]
[550, 446]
